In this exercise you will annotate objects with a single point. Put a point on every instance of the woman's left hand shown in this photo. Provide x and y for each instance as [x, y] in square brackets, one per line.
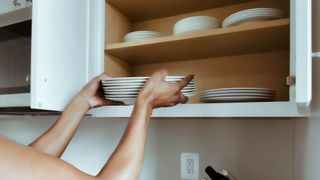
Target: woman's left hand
[92, 92]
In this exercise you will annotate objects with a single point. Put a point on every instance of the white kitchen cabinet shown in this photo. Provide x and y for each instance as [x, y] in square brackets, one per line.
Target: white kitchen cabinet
[65, 39]
[262, 54]
[270, 43]
[73, 41]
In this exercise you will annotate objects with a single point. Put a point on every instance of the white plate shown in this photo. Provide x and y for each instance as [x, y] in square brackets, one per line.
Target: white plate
[238, 88]
[257, 14]
[120, 96]
[130, 87]
[237, 94]
[238, 99]
[243, 92]
[253, 17]
[138, 81]
[122, 93]
[244, 15]
[255, 10]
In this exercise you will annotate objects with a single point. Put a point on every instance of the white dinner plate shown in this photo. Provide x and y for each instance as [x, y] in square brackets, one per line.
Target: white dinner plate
[249, 15]
[238, 99]
[245, 15]
[243, 92]
[237, 94]
[255, 10]
[238, 88]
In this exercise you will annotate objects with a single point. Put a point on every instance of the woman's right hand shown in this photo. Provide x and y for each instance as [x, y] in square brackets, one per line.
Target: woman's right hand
[159, 93]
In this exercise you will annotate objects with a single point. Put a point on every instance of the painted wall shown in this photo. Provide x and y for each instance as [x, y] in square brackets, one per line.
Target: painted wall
[307, 131]
[251, 149]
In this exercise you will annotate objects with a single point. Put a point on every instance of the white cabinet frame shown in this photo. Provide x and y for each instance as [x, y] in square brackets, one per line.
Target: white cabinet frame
[300, 93]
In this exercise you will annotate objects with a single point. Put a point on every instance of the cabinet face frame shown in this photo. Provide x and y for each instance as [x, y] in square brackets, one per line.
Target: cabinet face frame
[300, 93]
[301, 52]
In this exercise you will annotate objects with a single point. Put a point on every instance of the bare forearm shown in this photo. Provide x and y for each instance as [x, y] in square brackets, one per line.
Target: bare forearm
[127, 159]
[56, 139]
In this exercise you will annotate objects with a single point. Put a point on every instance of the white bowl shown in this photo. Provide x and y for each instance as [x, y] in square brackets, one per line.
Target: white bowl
[196, 23]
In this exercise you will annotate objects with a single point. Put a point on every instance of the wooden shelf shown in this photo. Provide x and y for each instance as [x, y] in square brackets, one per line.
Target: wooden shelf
[139, 10]
[244, 39]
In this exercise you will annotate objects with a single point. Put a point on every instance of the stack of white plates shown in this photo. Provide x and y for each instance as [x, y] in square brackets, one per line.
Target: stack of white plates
[126, 89]
[141, 35]
[250, 15]
[196, 23]
[241, 94]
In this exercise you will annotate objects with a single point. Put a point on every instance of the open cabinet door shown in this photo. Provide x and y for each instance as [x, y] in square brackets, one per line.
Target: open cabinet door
[67, 43]
[302, 49]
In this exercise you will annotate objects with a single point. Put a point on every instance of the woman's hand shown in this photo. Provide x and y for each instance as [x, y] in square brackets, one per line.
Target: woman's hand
[159, 93]
[92, 92]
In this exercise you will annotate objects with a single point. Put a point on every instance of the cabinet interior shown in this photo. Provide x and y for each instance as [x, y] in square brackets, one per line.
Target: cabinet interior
[15, 58]
[255, 54]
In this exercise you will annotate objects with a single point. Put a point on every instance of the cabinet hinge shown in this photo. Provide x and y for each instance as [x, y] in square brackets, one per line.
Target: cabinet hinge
[291, 80]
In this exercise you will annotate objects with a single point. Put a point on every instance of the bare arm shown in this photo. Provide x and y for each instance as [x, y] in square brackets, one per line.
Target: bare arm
[126, 161]
[20, 162]
[55, 140]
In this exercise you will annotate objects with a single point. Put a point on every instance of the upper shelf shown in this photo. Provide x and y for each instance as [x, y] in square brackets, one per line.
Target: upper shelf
[243, 39]
[16, 16]
[139, 10]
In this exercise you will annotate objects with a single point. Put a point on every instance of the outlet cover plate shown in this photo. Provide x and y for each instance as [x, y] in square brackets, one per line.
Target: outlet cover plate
[189, 166]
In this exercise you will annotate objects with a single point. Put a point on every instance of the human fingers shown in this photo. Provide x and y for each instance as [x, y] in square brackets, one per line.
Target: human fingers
[185, 81]
[183, 99]
[103, 76]
[160, 74]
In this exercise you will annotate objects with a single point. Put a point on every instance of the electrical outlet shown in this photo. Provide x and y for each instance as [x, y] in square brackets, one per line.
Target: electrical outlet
[189, 166]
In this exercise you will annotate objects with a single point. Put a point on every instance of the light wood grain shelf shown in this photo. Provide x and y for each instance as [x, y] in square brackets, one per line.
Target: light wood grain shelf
[244, 39]
[139, 10]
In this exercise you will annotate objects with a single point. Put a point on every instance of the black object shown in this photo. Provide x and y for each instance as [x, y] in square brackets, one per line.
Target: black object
[214, 175]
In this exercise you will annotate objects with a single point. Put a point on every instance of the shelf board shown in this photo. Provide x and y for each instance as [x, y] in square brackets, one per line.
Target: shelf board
[15, 100]
[139, 10]
[16, 16]
[243, 39]
[257, 109]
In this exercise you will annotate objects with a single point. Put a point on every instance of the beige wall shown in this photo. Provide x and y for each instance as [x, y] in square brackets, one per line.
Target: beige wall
[253, 149]
[307, 131]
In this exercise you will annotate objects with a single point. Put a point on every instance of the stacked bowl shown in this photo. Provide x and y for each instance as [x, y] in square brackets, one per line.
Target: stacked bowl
[196, 23]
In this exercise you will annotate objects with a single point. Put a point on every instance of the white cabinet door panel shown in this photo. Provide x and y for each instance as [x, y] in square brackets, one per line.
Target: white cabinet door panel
[301, 21]
[60, 50]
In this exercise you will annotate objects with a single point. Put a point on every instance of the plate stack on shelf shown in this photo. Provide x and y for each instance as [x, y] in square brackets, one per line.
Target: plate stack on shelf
[141, 35]
[126, 89]
[196, 23]
[251, 15]
[241, 94]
